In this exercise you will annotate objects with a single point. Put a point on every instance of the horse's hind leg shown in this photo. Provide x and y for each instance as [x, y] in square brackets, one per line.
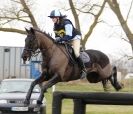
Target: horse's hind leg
[114, 81]
[105, 85]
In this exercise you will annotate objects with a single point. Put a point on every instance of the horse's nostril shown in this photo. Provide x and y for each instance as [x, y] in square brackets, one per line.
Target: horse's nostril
[24, 58]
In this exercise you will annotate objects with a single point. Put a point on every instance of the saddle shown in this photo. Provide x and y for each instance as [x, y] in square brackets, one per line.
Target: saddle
[85, 57]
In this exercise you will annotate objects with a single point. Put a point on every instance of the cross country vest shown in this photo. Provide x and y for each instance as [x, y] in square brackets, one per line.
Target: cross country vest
[59, 29]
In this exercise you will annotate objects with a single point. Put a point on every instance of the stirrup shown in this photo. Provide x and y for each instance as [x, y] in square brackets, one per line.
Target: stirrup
[83, 74]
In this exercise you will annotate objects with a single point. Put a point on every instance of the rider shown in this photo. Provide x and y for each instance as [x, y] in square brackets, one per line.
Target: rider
[65, 31]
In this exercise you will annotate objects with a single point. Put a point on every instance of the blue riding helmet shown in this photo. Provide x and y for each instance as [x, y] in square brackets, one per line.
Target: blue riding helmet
[56, 13]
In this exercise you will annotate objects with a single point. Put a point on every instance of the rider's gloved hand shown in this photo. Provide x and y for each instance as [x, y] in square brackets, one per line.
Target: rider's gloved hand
[57, 41]
[66, 38]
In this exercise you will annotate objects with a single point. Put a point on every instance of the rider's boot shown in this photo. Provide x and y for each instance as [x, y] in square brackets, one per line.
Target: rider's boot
[82, 66]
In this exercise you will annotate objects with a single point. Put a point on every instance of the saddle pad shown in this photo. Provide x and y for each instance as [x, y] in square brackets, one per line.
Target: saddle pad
[85, 57]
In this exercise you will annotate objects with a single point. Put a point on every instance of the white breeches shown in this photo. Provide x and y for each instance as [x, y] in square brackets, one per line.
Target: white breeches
[76, 46]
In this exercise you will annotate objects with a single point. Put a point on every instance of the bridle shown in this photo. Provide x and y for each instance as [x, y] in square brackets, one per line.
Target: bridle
[34, 52]
[31, 49]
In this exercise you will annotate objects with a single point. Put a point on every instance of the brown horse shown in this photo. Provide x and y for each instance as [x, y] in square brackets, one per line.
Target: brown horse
[57, 67]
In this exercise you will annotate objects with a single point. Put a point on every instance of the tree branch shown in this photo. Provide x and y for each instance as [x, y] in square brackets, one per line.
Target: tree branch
[84, 40]
[27, 10]
[129, 10]
[12, 30]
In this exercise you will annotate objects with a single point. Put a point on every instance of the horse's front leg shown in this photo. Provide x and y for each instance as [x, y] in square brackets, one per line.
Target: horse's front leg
[37, 81]
[55, 79]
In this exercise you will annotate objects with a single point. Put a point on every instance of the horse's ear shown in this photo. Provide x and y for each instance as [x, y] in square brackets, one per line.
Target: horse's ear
[27, 30]
[32, 30]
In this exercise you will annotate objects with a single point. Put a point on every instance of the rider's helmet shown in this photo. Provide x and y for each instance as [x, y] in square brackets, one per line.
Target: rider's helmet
[56, 13]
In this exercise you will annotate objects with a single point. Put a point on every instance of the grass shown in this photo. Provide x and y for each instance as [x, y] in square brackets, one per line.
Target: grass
[81, 86]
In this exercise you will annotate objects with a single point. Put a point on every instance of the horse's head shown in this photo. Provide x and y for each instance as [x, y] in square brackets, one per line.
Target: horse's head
[31, 45]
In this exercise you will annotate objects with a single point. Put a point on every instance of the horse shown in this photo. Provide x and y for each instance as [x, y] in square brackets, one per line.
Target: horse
[56, 65]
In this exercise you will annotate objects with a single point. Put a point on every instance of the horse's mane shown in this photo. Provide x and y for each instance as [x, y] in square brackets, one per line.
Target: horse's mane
[44, 32]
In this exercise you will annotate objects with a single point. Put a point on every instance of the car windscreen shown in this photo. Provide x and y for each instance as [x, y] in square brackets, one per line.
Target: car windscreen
[17, 86]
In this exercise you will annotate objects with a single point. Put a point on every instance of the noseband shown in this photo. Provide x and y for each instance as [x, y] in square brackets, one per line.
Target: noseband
[32, 52]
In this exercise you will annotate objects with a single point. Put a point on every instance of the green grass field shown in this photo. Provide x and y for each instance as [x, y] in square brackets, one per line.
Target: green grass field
[81, 86]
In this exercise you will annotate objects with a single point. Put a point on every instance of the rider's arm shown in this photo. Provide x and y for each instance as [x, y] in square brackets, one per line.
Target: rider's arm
[68, 31]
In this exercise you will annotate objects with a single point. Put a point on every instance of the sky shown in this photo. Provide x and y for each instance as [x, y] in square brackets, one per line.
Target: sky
[104, 38]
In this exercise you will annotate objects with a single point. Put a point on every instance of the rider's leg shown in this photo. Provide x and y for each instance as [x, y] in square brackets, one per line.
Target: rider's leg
[81, 63]
[76, 48]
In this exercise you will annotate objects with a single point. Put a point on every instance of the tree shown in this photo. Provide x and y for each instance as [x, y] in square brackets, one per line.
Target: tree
[114, 5]
[116, 9]
[88, 9]
[19, 12]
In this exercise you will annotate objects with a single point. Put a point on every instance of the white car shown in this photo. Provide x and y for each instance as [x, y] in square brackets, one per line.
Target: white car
[13, 93]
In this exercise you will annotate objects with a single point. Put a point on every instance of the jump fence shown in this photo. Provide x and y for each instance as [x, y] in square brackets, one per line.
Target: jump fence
[80, 100]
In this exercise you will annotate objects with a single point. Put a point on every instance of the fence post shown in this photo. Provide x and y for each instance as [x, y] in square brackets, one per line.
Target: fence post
[79, 106]
[57, 103]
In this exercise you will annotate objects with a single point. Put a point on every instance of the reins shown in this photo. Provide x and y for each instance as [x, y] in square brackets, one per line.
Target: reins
[32, 51]
[52, 45]
[35, 53]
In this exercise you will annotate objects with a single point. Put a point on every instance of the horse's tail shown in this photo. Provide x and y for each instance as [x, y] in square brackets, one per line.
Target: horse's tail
[114, 81]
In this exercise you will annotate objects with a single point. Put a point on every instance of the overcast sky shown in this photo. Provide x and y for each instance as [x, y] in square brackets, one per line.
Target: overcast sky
[104, 38]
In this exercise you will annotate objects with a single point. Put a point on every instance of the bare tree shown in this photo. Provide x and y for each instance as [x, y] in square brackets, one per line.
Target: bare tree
[88, 9]
[19, 13]
[93, 25]
[75, 15]
[116, 9]
[114, 5]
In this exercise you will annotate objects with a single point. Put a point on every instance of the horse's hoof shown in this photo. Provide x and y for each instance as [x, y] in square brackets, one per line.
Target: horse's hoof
[119, 87]
[39, 102]
[26, 102]
[37, 108]
[122, 85]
